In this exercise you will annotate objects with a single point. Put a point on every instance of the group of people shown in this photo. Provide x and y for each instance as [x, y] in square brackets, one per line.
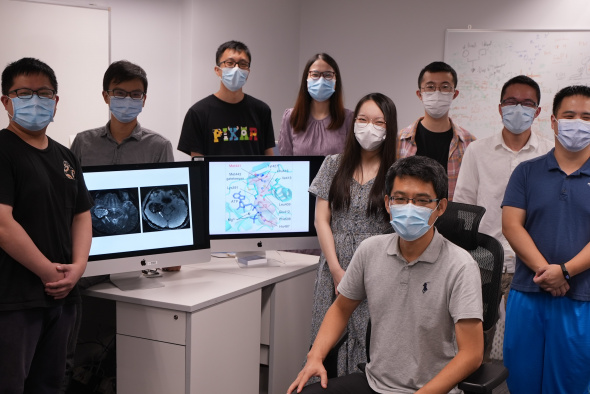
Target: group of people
[378, 194]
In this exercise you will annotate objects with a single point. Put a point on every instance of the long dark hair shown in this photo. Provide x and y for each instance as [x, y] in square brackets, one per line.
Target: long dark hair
[339, 195]
[302, 107]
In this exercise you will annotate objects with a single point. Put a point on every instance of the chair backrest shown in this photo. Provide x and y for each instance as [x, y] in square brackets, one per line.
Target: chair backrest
[460, 224]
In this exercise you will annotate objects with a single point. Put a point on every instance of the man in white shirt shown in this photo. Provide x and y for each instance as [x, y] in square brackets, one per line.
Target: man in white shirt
[489, 162]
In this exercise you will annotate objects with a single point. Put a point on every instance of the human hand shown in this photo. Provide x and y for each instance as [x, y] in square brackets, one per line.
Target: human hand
[313, 367]
[70, 274]
[550, 278]
[337, 276]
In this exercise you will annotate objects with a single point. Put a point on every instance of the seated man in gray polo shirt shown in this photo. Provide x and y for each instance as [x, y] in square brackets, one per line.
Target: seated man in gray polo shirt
[424, 296]
[122, 140]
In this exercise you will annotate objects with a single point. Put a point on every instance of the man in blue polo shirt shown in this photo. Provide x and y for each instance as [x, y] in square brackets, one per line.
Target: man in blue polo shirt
[546, 220]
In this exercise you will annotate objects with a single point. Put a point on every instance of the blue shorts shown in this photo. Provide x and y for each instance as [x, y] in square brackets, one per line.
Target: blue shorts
[547, 344]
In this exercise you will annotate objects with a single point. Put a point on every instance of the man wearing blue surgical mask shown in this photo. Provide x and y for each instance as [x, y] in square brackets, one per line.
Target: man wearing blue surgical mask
[122, 140]
[415, 281]
[229, 122]
[489, 162]
[546, 220]
[45, 234]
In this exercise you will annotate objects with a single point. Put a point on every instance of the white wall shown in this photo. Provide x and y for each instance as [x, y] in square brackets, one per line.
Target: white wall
[381, 45]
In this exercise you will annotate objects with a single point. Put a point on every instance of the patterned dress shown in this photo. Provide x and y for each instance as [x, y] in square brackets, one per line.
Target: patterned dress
[349, 227]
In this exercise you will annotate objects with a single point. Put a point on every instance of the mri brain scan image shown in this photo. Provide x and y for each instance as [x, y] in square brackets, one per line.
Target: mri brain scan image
[115, 212]
[165, 208]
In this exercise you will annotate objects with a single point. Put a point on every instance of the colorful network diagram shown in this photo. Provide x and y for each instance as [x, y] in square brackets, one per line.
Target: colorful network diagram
[258, 197]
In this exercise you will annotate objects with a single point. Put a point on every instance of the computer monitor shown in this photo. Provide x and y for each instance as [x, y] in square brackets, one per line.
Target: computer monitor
[260, 203]
[147, 216]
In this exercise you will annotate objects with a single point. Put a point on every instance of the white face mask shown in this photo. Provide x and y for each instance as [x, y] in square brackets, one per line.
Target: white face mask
[436, 103]
[517, 118]
[369, 137]
[573, 134]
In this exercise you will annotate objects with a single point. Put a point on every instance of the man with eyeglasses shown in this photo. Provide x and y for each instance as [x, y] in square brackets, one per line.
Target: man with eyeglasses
[228, 122]
[424, 294]
[489, 162]
[435, 135]
[546, 219]
[45, 234]
[122, 140]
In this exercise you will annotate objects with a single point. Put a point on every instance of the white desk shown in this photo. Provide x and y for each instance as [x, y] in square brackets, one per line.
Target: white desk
[212, 326]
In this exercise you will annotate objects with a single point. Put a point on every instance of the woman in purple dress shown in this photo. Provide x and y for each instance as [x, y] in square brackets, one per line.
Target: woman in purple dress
[318, 123]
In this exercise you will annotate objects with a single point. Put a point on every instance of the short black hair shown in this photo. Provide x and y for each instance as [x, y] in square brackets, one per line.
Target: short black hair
[438, 67]
[122, 71]
[233, 45]
[26, 66]
[524, 80]
[575, 90]
[423, 168]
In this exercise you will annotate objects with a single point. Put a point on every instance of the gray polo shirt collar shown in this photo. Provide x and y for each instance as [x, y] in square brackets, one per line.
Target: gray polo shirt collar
[430, 254]
[135, 134]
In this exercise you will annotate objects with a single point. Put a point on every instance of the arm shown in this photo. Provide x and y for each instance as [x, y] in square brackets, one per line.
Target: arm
[468, 179]
[15, 241]
[81, 240]
[469, 333]
[285, 136]
[323, 216]
[513, 229]
[330, 332]
[269, 152]
[193, 154]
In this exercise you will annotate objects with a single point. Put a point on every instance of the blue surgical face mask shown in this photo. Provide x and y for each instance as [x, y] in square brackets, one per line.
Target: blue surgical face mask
[409, 221]
[33, 114]
[517, 118]
[320, 89]
[234, 78]
[125, 109]
[573, 134]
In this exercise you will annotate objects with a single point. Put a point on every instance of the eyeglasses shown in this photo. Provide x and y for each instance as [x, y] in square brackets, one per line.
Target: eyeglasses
[25, 93]
[244, 65]
[121, 94]
[420, 201]
[328, 75]
[445, 88]
[363, 122]
[524, 103]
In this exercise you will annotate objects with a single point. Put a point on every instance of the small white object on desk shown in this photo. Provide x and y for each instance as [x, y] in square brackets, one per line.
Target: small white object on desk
[250, 261]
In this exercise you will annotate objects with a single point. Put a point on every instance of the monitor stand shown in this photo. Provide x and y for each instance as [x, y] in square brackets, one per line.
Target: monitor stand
[137, 280]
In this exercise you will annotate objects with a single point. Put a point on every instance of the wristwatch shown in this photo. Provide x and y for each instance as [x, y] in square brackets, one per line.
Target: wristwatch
[566, 274]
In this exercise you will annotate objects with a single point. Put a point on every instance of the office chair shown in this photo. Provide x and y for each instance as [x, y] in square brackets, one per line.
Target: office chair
[460, 224]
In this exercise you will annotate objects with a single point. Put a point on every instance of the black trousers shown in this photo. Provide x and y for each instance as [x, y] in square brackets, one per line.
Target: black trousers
[33, 346]
[355, 383]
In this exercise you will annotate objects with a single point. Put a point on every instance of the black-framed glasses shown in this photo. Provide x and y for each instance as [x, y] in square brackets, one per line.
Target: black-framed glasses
[26, 93]
[121, 94]
[444, 88]
[363, 122]
[513, 101]
[420, 201]
[244, 65]
[328, 75]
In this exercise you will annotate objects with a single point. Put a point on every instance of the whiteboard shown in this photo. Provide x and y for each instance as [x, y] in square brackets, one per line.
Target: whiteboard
[486, 59]
[74, 42]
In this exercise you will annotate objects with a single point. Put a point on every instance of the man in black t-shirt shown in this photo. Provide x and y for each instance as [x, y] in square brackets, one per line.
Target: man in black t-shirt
[435, 135]
[228, 122]
[45, 234]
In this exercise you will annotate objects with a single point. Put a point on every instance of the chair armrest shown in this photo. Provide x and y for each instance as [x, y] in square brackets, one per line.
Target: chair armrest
[487, 377]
